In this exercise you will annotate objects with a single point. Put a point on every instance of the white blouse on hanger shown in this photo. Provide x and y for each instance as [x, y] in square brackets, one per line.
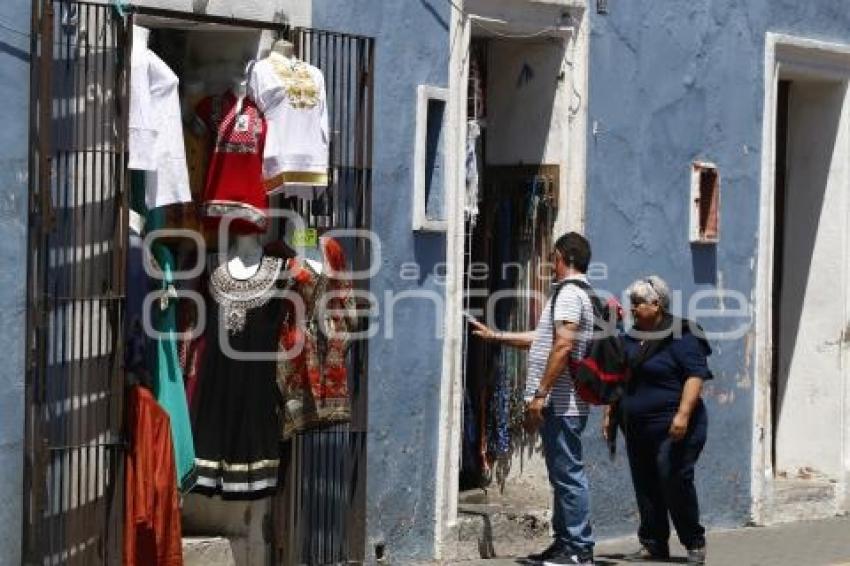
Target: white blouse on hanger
[291, 94]
[156, 128]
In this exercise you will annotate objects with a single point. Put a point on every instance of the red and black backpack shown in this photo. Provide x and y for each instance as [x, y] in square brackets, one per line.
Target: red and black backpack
[600, 377]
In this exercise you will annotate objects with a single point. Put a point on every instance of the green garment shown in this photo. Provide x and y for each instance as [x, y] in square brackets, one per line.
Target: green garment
[168, 385]
[168, 376]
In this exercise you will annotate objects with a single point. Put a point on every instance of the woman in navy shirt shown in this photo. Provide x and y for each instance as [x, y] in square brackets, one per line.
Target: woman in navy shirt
[665, 420]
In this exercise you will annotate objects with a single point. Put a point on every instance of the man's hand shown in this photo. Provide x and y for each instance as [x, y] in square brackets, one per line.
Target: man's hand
[482, 330]
[679, 426]
[534, 414]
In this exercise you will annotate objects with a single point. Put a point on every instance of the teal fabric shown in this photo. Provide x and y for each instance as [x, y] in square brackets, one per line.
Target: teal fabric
[168, 376]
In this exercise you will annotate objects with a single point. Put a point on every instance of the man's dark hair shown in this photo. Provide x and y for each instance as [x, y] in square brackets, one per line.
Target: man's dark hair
[575, 250]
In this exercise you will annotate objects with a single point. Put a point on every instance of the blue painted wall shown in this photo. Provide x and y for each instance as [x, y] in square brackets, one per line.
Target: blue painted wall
[412, 48]
[14, 92]
[671, 82]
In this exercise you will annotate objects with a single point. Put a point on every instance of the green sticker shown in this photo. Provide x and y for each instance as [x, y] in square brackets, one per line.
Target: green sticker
[308, 237]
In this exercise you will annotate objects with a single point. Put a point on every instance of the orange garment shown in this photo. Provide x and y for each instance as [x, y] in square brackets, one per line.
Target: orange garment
[152, 534]
[312, 373]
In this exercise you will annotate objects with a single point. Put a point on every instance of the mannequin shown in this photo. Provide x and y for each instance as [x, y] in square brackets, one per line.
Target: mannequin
[284, 48]
[239, 87]
[244, 256]
[291, 94]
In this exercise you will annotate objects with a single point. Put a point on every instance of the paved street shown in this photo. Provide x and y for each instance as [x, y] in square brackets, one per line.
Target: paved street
[811, 543]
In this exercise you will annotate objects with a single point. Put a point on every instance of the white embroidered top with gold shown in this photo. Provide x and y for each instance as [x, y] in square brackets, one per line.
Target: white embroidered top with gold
[291, 94]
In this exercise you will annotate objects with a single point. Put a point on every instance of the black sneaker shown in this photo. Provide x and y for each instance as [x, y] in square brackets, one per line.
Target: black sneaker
[555, 549]
[646, 554]
[570, 557]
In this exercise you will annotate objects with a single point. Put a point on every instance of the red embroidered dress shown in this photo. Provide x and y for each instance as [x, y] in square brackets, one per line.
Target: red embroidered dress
[234, 185]
[313, 372]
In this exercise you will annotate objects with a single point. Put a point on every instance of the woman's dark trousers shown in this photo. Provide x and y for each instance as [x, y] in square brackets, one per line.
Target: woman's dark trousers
[663, 477]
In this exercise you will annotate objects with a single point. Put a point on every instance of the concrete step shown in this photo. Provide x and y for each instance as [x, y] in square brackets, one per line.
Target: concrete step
[208, 551]
[488, 530]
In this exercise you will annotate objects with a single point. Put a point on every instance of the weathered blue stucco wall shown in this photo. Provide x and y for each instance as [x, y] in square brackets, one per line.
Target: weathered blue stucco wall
[412, 48]
[14, 92]
[671, 82]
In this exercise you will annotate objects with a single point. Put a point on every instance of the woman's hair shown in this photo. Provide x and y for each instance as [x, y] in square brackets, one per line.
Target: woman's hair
[652, 289]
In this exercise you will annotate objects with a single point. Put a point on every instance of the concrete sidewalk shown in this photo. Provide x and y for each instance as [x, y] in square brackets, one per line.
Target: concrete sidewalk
[811, 543]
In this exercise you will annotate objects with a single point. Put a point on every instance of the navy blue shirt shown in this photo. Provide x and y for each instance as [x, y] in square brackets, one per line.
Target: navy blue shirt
[655, 389]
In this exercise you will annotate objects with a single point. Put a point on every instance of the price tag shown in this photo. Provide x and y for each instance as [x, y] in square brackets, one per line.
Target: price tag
[307, 238]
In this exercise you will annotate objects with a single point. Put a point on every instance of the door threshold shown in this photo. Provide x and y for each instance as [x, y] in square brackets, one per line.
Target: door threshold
[795, 499]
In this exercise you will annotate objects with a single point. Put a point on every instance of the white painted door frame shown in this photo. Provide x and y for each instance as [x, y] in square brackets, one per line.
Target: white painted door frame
[784, 56]
[571, 217]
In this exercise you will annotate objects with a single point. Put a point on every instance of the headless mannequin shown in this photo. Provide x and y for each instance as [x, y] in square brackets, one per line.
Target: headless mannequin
[239, 88]
[244, 256]
[283, 48]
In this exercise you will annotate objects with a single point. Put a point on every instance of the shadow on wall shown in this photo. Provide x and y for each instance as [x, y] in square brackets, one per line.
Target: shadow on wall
[814, 117]
[704, 262]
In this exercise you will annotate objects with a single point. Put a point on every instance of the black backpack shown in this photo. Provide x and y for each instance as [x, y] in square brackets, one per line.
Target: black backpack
[600, 377]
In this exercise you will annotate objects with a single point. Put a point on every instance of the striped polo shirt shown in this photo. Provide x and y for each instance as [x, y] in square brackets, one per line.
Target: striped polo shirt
[573, 305]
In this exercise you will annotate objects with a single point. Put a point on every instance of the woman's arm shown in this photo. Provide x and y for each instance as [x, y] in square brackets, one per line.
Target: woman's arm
[690, 397]
[521, 340]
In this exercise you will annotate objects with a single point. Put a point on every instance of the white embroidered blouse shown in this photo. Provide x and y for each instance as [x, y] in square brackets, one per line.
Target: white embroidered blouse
[291, 94]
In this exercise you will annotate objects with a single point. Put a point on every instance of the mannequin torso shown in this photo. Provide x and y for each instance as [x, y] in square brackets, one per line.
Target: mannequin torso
[239, 88]
[284, 48]
[244, 256]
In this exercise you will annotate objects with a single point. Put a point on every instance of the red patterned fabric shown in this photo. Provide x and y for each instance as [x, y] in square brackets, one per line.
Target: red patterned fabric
[314, 378]
[234, 184]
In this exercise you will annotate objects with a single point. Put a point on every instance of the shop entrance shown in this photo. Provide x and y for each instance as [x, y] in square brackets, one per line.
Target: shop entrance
[515, 87]
[76, 440]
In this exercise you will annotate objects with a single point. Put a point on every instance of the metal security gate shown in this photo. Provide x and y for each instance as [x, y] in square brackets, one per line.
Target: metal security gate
[74, 448]
[320, 512]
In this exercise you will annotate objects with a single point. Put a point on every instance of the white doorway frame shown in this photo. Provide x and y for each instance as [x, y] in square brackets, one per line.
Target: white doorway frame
[570, 217]
[785, 57]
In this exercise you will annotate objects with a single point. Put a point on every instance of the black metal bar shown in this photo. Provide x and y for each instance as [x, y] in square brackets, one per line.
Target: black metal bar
[115, 492]
[206, 18]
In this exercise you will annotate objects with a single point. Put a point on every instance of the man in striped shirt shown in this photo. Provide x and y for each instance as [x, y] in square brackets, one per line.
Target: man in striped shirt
[551, 401]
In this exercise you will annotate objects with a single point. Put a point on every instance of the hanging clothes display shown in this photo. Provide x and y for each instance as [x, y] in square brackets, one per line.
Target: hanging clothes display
[137, 347]
[470, 207]
[168, 384]
[291, 94]
[152, 531]
[234, 184]
[312, 371]
[236, 405]
[156, 129]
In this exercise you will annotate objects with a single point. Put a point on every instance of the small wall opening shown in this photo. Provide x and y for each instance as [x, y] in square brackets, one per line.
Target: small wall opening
[429, 180]
[705, 207]
[434, 151]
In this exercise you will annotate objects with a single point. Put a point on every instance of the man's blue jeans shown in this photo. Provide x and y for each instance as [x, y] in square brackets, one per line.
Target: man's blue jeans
[571, 507]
